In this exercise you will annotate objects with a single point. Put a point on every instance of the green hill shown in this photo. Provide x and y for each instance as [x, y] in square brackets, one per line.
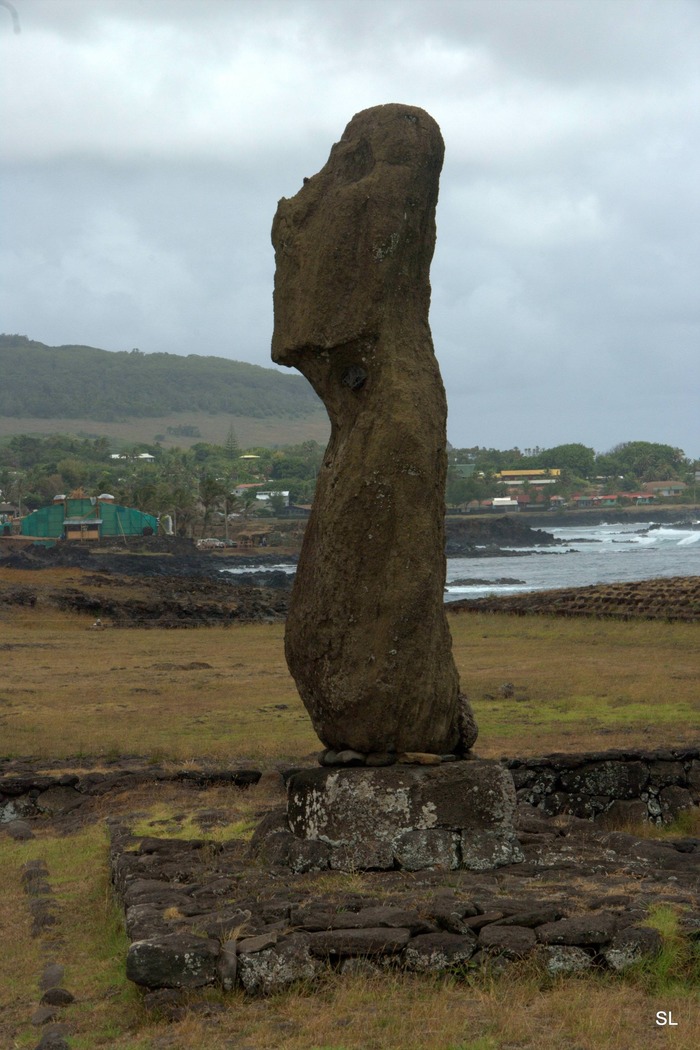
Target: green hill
[84, 383]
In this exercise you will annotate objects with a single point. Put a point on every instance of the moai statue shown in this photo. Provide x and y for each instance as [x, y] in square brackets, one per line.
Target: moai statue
[367, 640]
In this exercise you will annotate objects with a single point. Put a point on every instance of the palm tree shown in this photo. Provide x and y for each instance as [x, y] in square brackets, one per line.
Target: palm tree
[212, 493]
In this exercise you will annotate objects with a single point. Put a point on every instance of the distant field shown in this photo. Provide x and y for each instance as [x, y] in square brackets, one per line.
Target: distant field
[250, 431]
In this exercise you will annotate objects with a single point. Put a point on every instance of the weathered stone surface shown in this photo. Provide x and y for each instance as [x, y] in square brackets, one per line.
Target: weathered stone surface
[362, 855]
[367, 640]
[626, 811]
[435, 952]
[370, 817]
[427, 848]
[227, 965]
[300, 855]
[579, 930]
[20, 830]
[376, 940]
[59, 800]
[44, 1014]
[379, 916]
[13, 809]
[477, 922]
[484, 850]
[531, 919]
[57, 997]
[51, 976]
[672, 800]
[451, 915]
[276, 969]
[512, 941]
[563, 959]
[630, 945]
[257, 944]
[54, 1037]
[173, 961]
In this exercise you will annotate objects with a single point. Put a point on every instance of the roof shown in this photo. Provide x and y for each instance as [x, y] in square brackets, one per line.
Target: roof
[554, 472]
[651, 485]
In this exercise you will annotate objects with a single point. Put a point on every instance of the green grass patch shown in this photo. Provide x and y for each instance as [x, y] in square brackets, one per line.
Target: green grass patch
[676, 969]
[162, 823]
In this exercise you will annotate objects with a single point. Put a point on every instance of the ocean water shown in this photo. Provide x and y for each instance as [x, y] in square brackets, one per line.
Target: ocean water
[587, 555]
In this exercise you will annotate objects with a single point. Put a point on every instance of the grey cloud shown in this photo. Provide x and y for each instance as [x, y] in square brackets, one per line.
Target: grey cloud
[145, 146]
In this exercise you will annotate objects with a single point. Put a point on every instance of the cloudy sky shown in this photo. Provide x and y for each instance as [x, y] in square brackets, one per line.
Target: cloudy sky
[145, 143]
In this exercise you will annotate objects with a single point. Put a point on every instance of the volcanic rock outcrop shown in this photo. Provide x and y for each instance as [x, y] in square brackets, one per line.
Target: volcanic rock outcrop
[367, 641]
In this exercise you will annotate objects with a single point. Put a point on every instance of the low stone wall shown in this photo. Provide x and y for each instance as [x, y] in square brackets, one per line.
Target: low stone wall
[628, 786]
[200, 914]
[28, 794]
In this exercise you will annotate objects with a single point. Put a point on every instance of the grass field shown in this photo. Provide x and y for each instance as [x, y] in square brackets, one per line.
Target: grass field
[251, 431]
[226, 693]
[522, 1009]
[67, 692]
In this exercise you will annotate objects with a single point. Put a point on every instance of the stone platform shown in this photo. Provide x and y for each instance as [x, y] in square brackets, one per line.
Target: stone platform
[457, 815]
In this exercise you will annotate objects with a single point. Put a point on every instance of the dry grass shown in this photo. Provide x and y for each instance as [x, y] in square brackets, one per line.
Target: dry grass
[220, 692]
[89, 940]
[226, 692]
[251, 431]
[521, 1009]
[67, 690]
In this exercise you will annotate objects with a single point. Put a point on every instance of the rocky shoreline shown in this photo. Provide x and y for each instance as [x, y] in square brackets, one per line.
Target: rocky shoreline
[167, 582]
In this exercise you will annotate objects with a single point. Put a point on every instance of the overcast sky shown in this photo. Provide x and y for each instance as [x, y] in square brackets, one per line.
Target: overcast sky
[145, 144]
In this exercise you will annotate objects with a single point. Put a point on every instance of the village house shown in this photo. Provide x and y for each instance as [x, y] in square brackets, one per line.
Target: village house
[665, 488]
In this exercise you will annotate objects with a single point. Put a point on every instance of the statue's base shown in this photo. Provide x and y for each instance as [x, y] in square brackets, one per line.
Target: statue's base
[457, 815]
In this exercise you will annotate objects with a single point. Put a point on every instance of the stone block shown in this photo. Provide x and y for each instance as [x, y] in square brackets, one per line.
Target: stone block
[436, 952]
[427, 848]
[564, 959]
[673, 800]
[611, 779]
[664, 773]
[512, 941]
[631, 945]
[59, 800]
[376, 940]
[583, 930]
[173, 960]
[277, 969]
[370, 816]
[485, 850]
[626, 811]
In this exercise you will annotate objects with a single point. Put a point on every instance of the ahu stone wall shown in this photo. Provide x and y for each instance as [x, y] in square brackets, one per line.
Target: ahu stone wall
[621, 785]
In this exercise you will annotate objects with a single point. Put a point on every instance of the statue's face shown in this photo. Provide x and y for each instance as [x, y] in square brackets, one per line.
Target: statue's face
[348, 239]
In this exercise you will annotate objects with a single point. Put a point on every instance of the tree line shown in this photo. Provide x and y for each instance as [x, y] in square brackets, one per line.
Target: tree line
[190, 485]
[623, 468]
[195, 484]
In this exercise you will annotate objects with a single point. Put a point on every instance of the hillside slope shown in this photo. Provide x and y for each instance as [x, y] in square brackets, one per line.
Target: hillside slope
[83, 382]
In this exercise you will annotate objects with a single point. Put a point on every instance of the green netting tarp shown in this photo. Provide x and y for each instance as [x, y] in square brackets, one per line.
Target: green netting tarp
[116, 520]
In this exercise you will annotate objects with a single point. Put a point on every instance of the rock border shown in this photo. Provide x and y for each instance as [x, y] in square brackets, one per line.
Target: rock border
[630, 784]
[193, 920]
